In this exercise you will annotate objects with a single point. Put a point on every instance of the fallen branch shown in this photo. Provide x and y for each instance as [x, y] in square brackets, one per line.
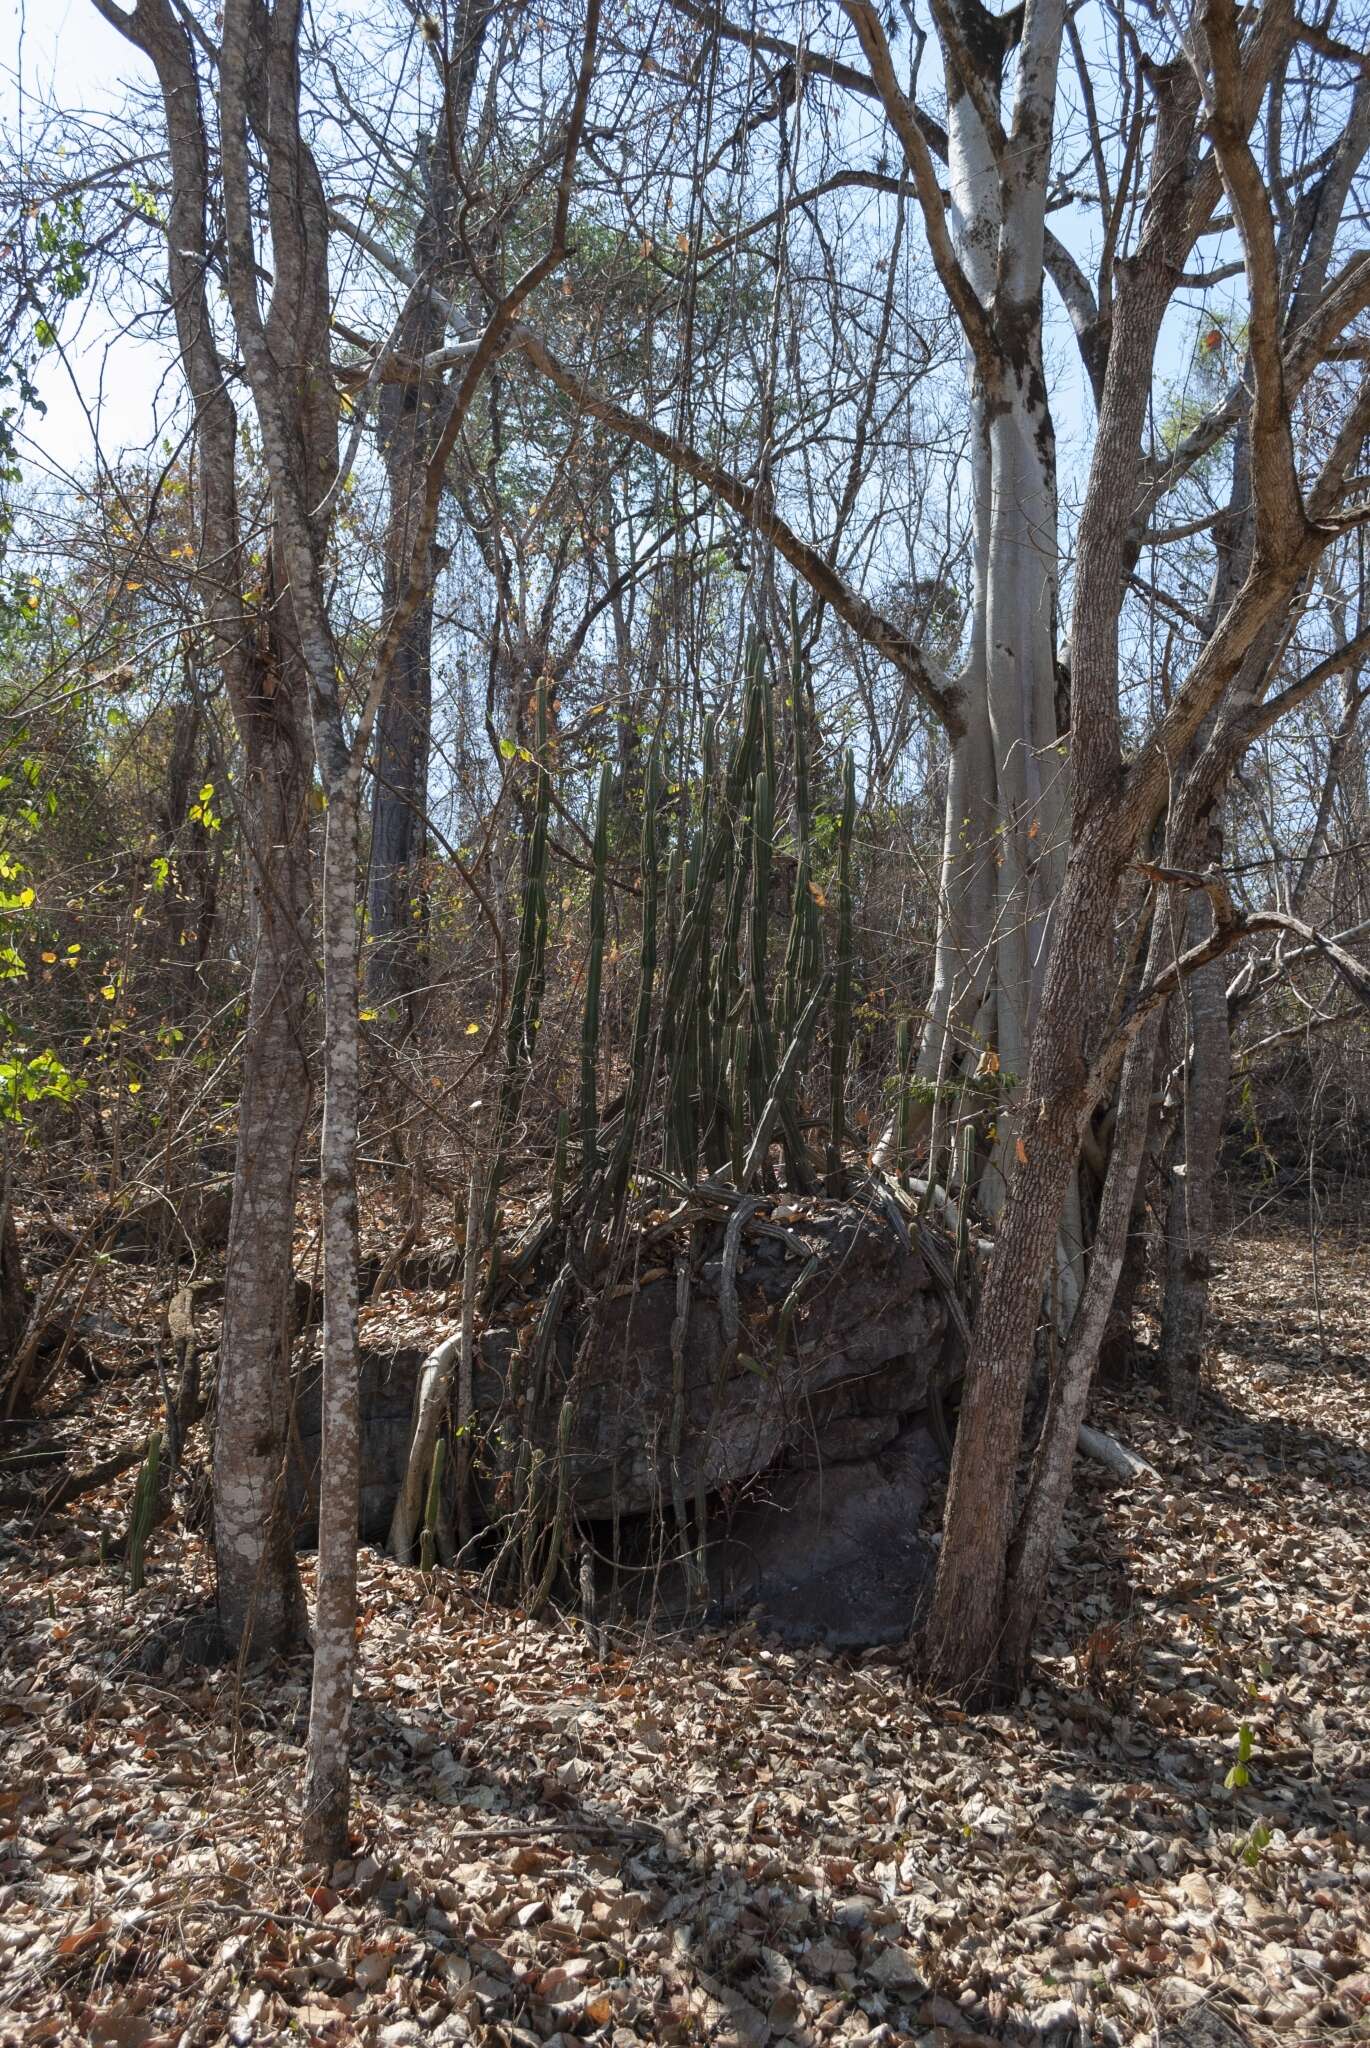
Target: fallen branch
[73, 1486]
[1106, 1450]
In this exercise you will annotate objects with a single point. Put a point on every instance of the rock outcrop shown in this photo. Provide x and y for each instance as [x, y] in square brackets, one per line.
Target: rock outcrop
[797, 1398]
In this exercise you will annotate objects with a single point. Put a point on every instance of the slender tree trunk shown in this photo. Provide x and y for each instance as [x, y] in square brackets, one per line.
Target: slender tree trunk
[260, 1601]
[14, 1292]
[1189, 1231]
[1003, 852]
[408, 422]
[394, 964]
[335, 1647]
[260, 1604]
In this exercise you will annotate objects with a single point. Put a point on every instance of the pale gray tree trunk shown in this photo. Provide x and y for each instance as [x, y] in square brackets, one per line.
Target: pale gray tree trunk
[1004, 839]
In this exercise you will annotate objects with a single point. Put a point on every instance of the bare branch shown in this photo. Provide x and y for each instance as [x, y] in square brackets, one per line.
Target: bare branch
[757, 507]
[899, 111]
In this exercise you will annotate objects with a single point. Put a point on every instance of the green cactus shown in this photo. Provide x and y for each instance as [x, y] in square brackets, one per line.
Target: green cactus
[525, 999]
[639, 1055]
[842, 984]
[594, 981]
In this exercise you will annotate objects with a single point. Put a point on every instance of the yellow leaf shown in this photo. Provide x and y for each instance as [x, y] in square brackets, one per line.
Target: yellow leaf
[366, 1016]
[135, 1087]
[472, 1030]
[108, 991]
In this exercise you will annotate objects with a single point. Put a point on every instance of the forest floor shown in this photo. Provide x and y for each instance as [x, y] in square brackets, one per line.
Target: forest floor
[717, 1840]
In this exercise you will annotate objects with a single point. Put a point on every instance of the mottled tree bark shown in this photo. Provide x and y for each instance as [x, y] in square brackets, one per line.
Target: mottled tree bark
[261, 1609]
[1039, 1523]
[327, 1763]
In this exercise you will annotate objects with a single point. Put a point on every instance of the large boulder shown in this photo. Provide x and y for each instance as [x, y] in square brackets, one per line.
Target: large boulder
[864, 1340]
[809, 1432]
[837, 1553]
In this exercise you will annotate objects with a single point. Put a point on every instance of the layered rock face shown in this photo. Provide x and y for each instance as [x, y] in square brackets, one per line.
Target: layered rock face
[796, 1397]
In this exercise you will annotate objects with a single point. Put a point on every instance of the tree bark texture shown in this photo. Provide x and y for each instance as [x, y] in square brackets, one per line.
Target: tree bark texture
[260, 1603]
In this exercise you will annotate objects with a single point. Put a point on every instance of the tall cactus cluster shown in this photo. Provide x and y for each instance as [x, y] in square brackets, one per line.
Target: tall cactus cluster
[737, 967]
[712, 1019]
[724, 1015]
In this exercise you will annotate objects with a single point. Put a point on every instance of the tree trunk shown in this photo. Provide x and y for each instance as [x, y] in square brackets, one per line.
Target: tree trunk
[408, 425]
[1049, 1485]
[14, 1293]
[1189, 1229]
[260, 1601]
[394, 964]
[335, 1641]
[963, 1638]
[260, 1604]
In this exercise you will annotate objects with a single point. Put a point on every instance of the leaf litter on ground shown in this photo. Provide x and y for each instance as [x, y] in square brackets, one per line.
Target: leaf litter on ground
[1166, 1839]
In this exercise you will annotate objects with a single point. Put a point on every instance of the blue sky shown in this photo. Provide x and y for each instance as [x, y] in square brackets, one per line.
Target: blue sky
[102, 384]
[61, 49]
